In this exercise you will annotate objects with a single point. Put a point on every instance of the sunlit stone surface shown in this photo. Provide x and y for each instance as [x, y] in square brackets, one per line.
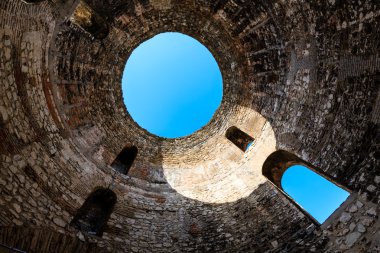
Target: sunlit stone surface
[299, 76]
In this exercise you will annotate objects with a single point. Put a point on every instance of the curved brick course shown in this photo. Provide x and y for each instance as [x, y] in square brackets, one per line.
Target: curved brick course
[300, 76]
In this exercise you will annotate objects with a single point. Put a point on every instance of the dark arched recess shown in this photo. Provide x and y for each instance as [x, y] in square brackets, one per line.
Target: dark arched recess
[93, 215]
[239, 138]
[124, 160]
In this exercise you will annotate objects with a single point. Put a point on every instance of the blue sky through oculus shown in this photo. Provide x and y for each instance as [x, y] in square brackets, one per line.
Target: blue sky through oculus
[172, 85]
[318, 196]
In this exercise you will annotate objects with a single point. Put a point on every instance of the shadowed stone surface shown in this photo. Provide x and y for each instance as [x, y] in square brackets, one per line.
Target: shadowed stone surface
[299, 76]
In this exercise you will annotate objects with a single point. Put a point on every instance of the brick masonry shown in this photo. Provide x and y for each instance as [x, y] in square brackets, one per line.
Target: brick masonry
[302, 76]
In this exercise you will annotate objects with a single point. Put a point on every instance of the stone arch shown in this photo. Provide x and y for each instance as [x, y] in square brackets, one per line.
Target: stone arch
[279, 162]
[93, 215]
[239, 138]
[124, 160]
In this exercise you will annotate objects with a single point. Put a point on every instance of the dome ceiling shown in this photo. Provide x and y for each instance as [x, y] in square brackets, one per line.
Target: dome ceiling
[204, 166]
[299, 76]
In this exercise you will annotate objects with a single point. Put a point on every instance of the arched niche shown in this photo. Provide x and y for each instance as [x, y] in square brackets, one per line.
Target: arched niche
[124, 160]
[93, 215]
[239, 138]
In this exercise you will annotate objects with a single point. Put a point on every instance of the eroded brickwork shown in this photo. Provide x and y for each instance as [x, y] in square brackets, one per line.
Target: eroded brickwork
[302, 76]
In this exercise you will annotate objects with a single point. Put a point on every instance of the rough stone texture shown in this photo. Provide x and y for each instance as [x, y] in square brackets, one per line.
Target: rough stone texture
[302, 76]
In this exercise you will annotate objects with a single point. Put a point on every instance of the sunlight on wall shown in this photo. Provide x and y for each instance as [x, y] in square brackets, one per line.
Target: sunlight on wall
[226, 174]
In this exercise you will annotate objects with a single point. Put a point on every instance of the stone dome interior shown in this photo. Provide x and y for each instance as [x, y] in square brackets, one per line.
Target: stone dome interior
[301, 80]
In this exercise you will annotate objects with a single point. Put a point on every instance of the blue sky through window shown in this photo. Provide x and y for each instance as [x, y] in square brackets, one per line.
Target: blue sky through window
[172, 85]
[318, 196]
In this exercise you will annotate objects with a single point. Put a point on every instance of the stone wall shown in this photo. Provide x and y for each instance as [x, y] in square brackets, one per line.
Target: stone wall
[301, 76]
